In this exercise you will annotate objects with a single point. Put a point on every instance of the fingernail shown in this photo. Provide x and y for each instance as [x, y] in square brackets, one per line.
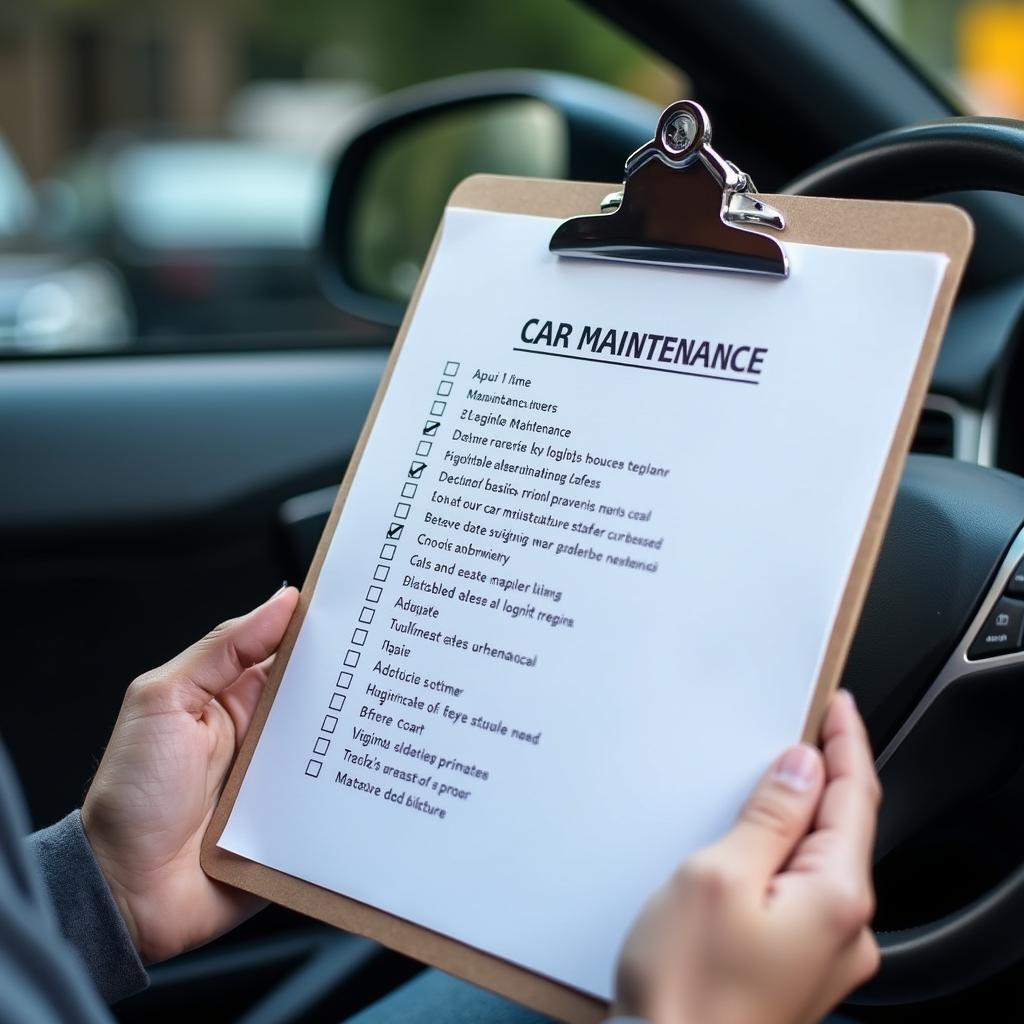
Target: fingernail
[847, 695]
[798, 768]
[284, 586]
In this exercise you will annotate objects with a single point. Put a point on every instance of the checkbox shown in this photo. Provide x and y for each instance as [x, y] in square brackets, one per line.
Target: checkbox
[351, 659]
[313, 768]
[359, 637]
[322, 745]
[416, 470]
[409, 490]
[344, 680]
[337, 703]
[380, 574]
[395, 531]
[387, 553]
[451, 368]
[430, 428]
[423, 448]
[438, 408]
[330, 723]
[373, 594]
[444, 389]
[366, 615]
[402, 510]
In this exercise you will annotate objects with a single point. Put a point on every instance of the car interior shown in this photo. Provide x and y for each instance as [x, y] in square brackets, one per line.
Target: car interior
[166, 477]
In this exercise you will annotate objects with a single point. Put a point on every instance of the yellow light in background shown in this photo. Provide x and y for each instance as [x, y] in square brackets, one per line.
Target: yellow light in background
[990, 40]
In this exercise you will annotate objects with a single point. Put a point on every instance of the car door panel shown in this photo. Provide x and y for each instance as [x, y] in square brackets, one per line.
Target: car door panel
[143, 504]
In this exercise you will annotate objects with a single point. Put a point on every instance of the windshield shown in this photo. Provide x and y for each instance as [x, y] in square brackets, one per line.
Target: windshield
[975, 48]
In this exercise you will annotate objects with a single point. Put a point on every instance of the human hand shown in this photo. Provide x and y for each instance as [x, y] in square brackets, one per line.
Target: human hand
[770, 924]
[153, 795]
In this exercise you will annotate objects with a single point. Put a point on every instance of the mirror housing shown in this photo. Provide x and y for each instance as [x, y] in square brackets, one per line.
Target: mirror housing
[590, 130]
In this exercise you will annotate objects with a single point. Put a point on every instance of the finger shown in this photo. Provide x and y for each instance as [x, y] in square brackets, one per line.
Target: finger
[210, 666]
[241, 697]
[776, 815]
[848, 812]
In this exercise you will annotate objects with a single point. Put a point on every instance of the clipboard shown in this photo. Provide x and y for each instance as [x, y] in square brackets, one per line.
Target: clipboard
[682, 205]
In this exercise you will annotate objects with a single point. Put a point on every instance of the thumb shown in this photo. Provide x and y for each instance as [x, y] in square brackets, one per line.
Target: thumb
[776, 815]
[241, 697]
[208, 667]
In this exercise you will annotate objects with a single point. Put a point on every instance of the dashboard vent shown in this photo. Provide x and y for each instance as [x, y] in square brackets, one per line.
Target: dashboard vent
[935, 433]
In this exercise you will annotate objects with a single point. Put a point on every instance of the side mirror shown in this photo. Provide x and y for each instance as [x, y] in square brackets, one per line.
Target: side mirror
[397, 169]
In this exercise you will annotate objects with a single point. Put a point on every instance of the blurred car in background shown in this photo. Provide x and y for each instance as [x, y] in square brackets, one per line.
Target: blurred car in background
[51, 300]
[212, 236]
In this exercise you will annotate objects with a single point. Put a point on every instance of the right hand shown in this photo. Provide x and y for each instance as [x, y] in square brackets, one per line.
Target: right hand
[770, 924]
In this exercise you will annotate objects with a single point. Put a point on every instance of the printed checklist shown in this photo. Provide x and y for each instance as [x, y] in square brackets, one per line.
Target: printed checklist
[553, 702]
[393, 533]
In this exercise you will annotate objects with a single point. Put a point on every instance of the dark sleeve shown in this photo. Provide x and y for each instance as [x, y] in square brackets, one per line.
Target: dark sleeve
[42, 981]
[86, 911]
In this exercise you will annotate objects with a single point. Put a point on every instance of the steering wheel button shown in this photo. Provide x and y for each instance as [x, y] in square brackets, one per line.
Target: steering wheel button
[1002, 630]
[1015, 584]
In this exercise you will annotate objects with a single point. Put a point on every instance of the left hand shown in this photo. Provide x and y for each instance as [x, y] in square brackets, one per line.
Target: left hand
[151, 801]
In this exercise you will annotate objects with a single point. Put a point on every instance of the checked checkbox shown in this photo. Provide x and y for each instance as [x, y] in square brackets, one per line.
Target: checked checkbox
[330, 723]
[409, 490]
[444, 389]
[366, 615]
[380, 574]
[344, 680]
[351, 659]
[430, 428]
[359, 637]
[402, 510]
[395, 531]
[451, 368]
[423, 448]
[438, 408]
[322, 745]
[337, 703]
[313, 768]
[373, 594]
[416, 470]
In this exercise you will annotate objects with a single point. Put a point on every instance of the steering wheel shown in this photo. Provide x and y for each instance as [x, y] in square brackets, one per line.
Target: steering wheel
[941, 702]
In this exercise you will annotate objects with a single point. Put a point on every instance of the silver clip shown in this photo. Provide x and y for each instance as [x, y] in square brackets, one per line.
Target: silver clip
[682, 204]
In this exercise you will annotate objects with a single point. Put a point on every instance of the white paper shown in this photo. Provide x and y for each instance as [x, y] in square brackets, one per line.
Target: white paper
[673, 687]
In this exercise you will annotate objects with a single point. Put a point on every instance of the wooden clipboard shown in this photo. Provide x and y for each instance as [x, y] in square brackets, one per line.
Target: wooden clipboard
[827, 222]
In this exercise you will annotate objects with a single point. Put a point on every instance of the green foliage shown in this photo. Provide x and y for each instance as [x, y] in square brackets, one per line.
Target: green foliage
[395, 43]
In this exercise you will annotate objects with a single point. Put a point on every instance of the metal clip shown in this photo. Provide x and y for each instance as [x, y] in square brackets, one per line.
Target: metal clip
[682, 205]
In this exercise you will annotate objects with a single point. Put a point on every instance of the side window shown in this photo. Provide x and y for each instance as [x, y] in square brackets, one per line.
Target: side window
[163, 169]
